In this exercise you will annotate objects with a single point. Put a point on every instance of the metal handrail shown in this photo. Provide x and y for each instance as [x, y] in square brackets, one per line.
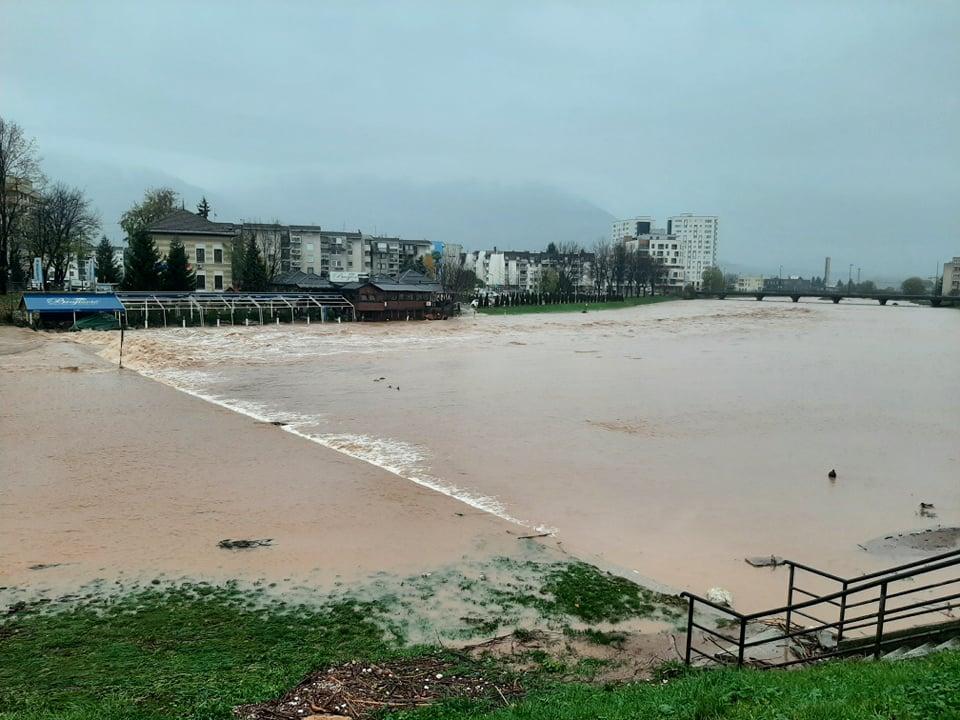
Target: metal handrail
[850, 586]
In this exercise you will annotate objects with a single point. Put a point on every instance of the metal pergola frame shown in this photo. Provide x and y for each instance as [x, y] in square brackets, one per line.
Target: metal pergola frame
[210, 301]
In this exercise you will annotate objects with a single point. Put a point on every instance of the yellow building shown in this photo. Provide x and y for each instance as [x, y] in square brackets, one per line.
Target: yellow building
[208, 245]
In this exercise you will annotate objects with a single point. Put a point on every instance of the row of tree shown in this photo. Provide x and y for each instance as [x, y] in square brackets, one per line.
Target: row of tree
[38, 218]
[146, 269]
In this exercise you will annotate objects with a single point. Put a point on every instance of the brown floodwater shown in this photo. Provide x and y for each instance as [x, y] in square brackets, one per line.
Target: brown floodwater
[671, 440]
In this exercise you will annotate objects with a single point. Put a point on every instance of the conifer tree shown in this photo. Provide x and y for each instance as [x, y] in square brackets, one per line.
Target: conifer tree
[203, 208]
[107, 269]
[142, 264]
[177, 275]
[253, 275]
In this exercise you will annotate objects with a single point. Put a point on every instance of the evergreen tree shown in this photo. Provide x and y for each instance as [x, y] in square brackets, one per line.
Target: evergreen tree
[141, 265]
[237, 254]
[203, 208]
[107, 269]
[177, 274]
[253, 273]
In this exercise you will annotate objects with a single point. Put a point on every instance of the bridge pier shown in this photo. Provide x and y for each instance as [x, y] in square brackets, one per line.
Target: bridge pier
[759, 296]
[836, 299]
[722, 296]
[883, 301]
[935, 301]
[795, 298]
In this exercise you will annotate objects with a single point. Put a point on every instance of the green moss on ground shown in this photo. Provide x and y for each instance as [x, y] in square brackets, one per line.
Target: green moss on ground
[193, 652]
[576, 307]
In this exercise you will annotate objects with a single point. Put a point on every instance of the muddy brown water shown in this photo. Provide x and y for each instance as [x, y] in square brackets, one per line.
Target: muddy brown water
[671, 440]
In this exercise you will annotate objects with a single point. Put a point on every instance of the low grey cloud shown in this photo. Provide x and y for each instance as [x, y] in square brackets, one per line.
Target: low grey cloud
[810, 128]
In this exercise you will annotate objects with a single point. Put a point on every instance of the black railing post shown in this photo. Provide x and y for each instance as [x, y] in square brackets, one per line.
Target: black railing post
[689, 630]
[880, 613]
[843, 612]
[790, 596]
[743, 640]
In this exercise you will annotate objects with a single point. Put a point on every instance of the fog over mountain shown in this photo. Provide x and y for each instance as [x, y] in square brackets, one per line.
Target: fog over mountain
[810, 129]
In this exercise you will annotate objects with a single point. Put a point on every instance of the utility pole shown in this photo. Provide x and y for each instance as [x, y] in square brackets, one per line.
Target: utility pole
[858, 275]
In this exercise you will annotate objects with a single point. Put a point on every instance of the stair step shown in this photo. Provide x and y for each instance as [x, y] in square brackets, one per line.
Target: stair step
[919, 651]
[894, 655]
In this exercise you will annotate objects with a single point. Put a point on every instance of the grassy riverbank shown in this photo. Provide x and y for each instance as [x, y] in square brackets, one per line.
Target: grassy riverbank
[194, 652]
[577, 307]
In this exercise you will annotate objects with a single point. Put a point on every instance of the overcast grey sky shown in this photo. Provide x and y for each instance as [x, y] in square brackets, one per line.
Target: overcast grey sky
[810, 128]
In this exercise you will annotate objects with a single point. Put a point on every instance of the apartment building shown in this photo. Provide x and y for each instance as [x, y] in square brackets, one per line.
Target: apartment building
[208, 245]
[379, 255]
[522, 270]
[697, 236]
[630, 227]
[951, 277]
[749, 283]
[311, 249]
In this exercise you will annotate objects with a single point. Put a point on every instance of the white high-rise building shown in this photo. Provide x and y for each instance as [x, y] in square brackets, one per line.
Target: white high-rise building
[698, 237]
[631, 227]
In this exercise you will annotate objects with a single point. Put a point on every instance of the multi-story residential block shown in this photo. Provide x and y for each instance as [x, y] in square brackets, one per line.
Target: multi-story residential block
[523, 271]
[631, 227]
[389, 255]
[698, 237]
[951, 277]
[749, 283]
[208, 245]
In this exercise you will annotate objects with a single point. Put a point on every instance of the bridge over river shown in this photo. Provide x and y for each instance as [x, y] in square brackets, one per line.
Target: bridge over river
[836, 297]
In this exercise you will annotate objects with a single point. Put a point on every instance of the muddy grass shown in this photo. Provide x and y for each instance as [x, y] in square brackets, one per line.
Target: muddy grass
[191, 650]
[930, 540]
[363, 689]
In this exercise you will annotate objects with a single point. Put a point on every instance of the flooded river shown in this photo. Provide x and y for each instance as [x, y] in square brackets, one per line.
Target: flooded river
[671, 440]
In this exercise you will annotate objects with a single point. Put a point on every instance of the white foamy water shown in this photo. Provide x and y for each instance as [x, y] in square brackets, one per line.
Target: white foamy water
[400, 458]
[674, 439]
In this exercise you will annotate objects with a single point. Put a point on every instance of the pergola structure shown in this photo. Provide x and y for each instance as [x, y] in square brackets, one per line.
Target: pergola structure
[258, 304]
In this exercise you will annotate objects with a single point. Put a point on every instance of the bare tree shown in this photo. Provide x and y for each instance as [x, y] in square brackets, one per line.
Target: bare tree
[456, 278]
[157, 203]
[600, 267]
[618, 266]
[60, 227]
[568, 262]
[19, 174]
[272, 239]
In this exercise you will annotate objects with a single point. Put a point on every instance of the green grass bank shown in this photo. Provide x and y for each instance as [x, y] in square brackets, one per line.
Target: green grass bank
[196, 651]
[577, 307]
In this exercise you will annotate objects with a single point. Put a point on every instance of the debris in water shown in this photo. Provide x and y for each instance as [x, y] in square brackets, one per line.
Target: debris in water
[363, 690]
[926, 510]
[44, 566]
[765, 560]
[244, 544]
[832, 474]
[720, 596]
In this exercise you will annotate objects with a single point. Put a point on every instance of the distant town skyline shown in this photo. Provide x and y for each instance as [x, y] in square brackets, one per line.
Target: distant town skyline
[810, 130]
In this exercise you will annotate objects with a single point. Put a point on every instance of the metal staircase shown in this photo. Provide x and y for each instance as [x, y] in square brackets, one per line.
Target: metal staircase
[904, 611]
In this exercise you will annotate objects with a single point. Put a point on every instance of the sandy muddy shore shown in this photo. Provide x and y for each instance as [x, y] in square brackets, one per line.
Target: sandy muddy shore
[108, 474]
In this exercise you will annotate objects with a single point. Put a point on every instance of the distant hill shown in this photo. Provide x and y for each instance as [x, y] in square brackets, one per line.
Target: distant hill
[475, 214]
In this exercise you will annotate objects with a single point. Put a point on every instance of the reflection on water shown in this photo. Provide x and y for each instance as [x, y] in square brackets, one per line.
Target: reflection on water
[675, 439]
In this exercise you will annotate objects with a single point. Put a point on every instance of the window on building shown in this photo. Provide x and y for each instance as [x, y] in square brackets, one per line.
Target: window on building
[218, 255]
[201, 282]
[218, 282]
[309, 269]
[309, 246]
[201, 255]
